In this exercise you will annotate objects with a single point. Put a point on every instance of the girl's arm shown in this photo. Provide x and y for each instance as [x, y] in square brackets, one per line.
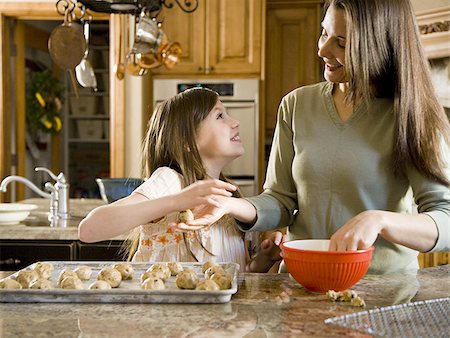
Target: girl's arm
[114, 219]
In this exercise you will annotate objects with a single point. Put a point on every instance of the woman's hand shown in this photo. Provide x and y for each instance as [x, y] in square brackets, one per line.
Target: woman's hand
[358, 233]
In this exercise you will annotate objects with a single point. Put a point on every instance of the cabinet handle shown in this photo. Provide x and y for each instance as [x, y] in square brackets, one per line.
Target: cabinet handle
[10, 261]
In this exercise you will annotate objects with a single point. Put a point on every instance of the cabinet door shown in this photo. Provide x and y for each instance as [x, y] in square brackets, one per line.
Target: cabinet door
[293, 28]
[15, 255]
[233, 36]
[102, 251]
[189, 30]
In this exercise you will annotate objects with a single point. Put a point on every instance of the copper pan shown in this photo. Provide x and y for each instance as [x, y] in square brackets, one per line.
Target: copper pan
[67, 46]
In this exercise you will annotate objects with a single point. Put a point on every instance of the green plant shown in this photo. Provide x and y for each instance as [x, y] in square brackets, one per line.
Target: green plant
[44, 103]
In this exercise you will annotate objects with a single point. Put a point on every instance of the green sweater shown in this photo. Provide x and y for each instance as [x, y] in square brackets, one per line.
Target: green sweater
[323, 171]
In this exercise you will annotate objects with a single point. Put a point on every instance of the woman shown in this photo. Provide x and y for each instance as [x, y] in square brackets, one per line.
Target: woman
[351, 153]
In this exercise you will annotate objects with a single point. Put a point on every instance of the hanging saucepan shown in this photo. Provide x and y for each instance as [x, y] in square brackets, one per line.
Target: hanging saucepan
[67, 45]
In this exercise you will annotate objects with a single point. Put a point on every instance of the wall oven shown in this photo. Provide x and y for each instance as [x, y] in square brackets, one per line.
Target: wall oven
[240, 98]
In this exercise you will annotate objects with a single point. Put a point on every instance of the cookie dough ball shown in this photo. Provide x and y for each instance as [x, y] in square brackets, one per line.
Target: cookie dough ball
[44, 269]
[152, 274]
[208, 285]
[223, 280]
[175, 268]
[100, 285]
[166, 273]
[27, 277]
[110, 275]
[185, 216]
[207, 265]
[83, 272]
[125, 269]
[9, 283]
[215, 269]
[187, 279]
[153, 283]
[71, 282]
[41, 283]
[66, 273]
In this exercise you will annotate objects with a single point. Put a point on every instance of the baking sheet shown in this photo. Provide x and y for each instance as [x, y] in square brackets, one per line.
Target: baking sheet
[130, 291]
[429, 318]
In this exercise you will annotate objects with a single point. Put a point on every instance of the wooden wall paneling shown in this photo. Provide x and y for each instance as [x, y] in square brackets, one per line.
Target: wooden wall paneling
[293, 28]
[20, 104]
[117, 99]
[5, 104]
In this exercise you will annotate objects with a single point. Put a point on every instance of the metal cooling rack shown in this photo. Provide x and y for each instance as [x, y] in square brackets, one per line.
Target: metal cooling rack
[429, 318]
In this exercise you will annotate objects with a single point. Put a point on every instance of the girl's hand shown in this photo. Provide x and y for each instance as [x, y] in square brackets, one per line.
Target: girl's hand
[270, 247]
[205, 214]
[360, 232]
[268, 254]
[201, 193]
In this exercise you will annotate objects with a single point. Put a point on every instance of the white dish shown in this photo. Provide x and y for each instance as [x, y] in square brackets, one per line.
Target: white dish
[14, 213]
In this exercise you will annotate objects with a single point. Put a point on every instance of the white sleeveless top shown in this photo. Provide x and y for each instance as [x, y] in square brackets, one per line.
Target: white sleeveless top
[158, 243]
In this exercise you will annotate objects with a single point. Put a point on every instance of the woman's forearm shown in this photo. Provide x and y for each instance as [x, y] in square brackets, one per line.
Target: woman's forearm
[241, 209]
[418, 232]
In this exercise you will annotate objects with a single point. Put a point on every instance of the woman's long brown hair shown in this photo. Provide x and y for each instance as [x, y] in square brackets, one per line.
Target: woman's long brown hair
[170, 141]
[384, 58]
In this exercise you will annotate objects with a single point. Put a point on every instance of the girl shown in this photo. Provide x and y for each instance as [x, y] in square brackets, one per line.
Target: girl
[190, 137]
[349, 154]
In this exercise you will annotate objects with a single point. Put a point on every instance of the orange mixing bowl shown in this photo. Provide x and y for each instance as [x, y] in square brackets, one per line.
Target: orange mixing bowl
[320, 270]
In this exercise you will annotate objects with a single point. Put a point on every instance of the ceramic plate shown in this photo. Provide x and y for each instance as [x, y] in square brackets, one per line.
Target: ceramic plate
[14, 213]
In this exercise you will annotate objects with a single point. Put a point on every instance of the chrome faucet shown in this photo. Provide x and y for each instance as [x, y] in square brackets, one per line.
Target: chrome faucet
[59, 193]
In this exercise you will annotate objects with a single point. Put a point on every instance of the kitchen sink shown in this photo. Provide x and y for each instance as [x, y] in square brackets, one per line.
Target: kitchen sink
[79, 208]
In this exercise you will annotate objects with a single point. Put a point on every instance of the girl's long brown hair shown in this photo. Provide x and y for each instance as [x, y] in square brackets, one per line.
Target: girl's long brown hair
[383, 51]
[170, 141]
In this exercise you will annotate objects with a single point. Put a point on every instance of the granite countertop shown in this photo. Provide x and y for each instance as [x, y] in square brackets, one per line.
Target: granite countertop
[37, 227]
[266, 305]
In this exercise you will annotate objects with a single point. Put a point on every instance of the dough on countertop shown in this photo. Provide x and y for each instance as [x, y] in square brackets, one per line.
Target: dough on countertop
[9, 283]
[208, 285]
[125, 269]
[83, 272]
[44, 269]
[175, 268]
[42, 283]
[100, 285]
[27, 277]
[153, 283]
[71, 282]
[110, 275]
[187, 279]
[166, 273]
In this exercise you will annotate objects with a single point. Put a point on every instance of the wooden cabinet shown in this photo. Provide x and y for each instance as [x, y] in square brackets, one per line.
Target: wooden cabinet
[17, 254]
[220, 37]
[292, 30]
